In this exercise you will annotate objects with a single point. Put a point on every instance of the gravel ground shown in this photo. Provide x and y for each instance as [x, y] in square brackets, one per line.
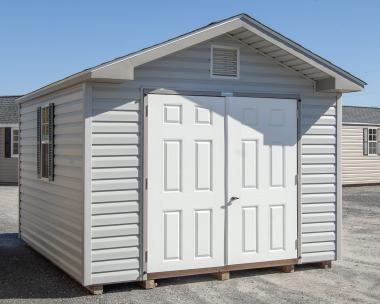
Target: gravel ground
[8, 209]
[26, 277]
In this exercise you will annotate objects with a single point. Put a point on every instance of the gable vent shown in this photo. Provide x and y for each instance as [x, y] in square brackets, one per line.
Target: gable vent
[224, 62]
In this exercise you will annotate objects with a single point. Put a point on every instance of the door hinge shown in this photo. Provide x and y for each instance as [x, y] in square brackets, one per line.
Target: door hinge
[146, 111]
[296, 179]
[146, 256]
[146, 184]
[296, 244]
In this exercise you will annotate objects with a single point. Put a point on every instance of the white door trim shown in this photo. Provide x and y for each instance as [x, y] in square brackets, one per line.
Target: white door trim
[145, 151]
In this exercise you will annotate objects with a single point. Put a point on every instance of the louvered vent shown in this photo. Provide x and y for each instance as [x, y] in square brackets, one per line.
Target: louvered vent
[225, 62]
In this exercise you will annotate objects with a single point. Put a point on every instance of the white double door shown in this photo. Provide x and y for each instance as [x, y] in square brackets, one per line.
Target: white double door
[221, 181]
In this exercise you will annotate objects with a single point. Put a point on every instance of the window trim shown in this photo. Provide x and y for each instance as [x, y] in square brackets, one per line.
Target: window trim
[218, 46]
[372, 141]
[45, 106]
[13, 155]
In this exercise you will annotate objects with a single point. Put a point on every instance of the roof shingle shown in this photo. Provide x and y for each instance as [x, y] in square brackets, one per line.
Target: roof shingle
[368, 115]
[8, 110]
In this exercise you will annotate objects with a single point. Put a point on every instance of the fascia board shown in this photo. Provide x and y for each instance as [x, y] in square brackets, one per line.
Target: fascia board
[126, 65]
[61, 84]
[344, 84]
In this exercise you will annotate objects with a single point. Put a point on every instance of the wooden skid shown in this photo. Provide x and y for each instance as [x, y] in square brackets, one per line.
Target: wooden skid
[287, 268]
[223, 276]
[222, 271]
[95, 289]
[324, 265]
[148, 284]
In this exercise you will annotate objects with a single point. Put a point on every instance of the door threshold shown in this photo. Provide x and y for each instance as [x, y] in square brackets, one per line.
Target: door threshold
[221, 269]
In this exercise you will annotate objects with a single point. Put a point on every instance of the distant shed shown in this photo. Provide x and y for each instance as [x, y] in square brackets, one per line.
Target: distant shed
[360, 145]
[8, 140]
[214, 151]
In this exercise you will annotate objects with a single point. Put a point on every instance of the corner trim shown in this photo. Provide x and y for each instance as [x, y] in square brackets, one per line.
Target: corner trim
[19, 171]
[87, 181]
[299, 178]
[144, 191]
[338, 236]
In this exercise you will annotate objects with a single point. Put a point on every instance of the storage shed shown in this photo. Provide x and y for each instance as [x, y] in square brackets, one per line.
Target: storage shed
[8, 140]
[360, 145]
[214, 151]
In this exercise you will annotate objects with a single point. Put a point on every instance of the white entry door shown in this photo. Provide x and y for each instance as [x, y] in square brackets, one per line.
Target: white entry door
[262, 168]
[186, 182]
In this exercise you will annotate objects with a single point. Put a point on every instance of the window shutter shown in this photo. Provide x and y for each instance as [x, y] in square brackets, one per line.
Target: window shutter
[8, 143]
[39, 141]
[365, 141]
[51, 142]
[378, 141]
[224, 62]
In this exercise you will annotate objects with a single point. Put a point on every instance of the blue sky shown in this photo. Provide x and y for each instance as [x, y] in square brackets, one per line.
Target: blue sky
[43, 41]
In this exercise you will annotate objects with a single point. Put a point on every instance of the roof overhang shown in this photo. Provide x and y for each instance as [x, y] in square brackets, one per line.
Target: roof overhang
[360, 123]
[242, 28]
[9, 125]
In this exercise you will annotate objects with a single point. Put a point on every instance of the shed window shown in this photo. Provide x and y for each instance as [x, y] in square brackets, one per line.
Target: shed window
[14, 142]
[10, 142]
[45, 137]
[44, 142]
[371, 141]
[224, 62]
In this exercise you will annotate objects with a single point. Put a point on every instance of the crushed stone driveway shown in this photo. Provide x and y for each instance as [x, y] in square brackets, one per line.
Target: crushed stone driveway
[8, 209]
[26, 277]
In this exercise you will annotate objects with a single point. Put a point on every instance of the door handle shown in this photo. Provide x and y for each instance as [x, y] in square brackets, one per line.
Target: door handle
[234, 198]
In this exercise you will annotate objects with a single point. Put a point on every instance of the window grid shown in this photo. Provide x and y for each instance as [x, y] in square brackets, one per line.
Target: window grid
[15, 140]
[372, 141]
[45, 142]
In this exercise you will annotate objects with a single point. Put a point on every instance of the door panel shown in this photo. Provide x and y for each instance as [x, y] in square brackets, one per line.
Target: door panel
[187, 211]
[186, 188]
[172, 235]
[262, 168]
[249, 229]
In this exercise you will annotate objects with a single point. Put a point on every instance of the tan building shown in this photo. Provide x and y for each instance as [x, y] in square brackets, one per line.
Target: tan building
[360, 145]
[8, 140]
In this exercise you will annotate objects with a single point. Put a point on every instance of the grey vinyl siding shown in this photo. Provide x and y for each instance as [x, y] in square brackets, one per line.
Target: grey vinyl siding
[115, 186]
[8, 166]
[116, 176]
[51, 213]
[319, 188]
[356, 167]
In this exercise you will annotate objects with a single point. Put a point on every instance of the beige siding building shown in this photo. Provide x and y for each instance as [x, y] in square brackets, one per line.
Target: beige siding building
[8, 140]
[360, 145]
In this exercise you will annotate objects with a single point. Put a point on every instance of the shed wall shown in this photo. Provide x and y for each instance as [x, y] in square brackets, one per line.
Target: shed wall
[116, 173]
[318, 179]
[356, 167]
[51, 213]
[8, 166]
[115, 185]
